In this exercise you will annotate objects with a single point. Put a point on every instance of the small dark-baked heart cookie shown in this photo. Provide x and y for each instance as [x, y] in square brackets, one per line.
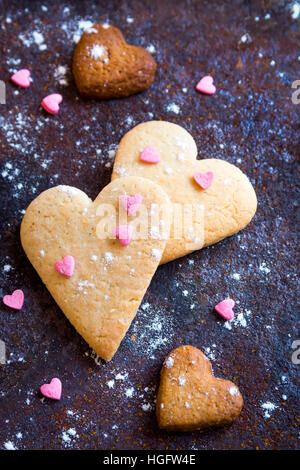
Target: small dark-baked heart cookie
[190, 397]
[105, 66]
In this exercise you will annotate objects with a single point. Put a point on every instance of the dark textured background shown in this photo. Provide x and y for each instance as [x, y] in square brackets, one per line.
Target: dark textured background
[251, 122]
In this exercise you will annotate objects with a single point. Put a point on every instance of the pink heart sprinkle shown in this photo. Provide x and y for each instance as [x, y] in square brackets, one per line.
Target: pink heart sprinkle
[225, 307]
[52, 390]
[204, 179]
[66, 266]
[21, 78]
[15, 300]
[124, 234]
[131, 203]
[206, 85]
[149, 155]
[51, 103]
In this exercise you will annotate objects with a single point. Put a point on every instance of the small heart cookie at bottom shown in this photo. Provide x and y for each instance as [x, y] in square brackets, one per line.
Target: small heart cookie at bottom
[229, 201]
[190, 397]
[109, 281]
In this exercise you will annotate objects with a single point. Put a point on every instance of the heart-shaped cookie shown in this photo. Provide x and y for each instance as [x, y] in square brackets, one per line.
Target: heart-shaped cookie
[105, 66]
[190, 397]
[109, 279]
[229, 202]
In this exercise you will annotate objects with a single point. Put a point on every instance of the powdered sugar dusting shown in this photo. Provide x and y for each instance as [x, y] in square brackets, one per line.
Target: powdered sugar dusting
[68, 437]
[68, 190]
[169, 362]
[9, 446]
[111, 384]
[60, 75]
[233, 391]
[295, 10]
[173, 108]
[182, 380]
[157, 331]
[268, 408]
[91, 30]
[99, 52]
[81, 27]
[264, 268]
[108, 257]
[240, 320]
[34, 38]
[129, 392]
[151, 49]
[157, 254]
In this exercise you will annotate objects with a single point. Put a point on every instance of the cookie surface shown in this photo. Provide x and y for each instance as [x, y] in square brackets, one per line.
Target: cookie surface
[105, 66]
[229, 202]
[109, 281]
[190, 397]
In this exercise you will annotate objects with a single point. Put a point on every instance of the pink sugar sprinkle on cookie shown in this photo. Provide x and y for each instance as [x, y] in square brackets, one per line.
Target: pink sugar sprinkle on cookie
[225, 307]
[15, 300]
[124, 234]
[131, 203]
[51, 103]
[206, 85]
[204, 179]
[149, 155]
[52, 390]
[66, 266]
[21, 78]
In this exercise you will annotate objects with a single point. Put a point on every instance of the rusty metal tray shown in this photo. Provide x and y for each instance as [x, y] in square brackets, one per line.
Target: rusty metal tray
[252, 50]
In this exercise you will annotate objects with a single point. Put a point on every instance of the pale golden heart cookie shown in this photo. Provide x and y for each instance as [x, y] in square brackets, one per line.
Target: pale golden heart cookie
[109, 281]
[190, 397]
[229, 203]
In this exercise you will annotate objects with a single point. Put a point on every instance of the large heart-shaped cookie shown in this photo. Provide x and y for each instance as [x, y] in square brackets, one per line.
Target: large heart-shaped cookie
[229, 201]
[105, 66]
[190, 397]
[102, 295]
